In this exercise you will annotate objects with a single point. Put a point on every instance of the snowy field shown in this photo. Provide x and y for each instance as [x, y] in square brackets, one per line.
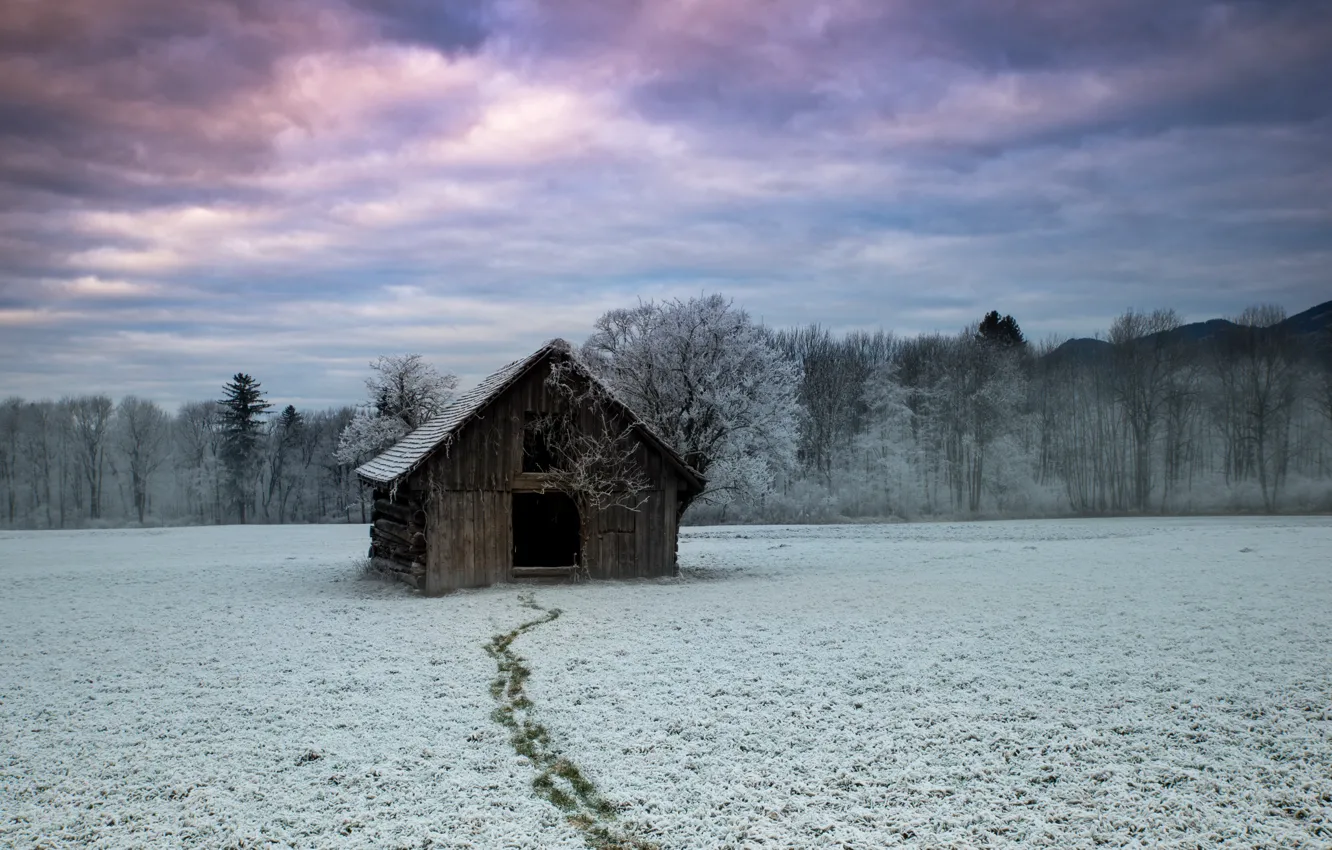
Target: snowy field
[1154, 683]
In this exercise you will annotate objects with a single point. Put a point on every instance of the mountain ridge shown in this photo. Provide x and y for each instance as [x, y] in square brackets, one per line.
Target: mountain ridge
[1315, 320]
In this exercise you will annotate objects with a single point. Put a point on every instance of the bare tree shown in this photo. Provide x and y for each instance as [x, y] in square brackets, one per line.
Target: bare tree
[344, 490]
[1145, 358]
[198, 430]
[1324, 353]
[41, 444]
[976, 401]
[143, 430]
[91, 417]
[1265, 357]
[284, 439]
[11, 429]
[1180, 417]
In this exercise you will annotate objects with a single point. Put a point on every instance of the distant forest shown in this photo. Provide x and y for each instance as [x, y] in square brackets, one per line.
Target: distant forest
[789, 425]
[1157, 416]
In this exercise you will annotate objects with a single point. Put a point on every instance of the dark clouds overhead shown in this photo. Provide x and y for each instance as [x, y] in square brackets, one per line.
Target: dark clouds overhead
[450, 27]
[296, 187]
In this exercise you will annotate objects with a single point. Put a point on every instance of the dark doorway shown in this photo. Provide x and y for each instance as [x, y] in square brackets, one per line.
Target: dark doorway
[545, 530]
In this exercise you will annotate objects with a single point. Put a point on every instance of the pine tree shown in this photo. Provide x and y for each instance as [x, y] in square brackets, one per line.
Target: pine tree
[243, 408]
[1002, 331]
[290, 419]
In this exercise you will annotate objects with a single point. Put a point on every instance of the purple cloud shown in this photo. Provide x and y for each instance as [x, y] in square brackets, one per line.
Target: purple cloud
[291, 189]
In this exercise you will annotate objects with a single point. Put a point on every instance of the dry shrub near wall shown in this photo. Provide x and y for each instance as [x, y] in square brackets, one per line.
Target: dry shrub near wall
[366, 569]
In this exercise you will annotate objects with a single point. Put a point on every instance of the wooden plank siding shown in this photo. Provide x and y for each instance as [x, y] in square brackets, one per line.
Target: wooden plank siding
[470, 484]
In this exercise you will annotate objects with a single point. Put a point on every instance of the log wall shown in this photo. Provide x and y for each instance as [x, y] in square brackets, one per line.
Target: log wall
[398, 539]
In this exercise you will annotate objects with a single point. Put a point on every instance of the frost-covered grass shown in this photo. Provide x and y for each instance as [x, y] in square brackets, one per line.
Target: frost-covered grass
[1116, 682]
[1073, 684]
[241, 687]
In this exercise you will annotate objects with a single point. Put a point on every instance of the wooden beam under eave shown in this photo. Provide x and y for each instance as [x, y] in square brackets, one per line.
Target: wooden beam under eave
[533, 482]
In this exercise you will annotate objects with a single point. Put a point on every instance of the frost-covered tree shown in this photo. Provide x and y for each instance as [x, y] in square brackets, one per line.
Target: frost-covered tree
[405, 391]
[886, 443]
[986, 390]
[836, 372]
[710, 380]
[366, 435]
[408, 388]
[1226, 416]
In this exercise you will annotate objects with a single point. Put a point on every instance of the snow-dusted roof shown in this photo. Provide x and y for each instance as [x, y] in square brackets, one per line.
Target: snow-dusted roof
[406, 455]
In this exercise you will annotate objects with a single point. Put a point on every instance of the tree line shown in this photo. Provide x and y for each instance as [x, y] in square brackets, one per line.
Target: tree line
[1150, 419]
[89, 460]
[789, 425]
[803, 424]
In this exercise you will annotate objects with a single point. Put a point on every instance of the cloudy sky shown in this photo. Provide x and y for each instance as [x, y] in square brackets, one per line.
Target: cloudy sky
[192, 189]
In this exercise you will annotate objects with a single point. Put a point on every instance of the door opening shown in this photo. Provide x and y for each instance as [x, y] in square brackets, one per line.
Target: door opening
[546, 531]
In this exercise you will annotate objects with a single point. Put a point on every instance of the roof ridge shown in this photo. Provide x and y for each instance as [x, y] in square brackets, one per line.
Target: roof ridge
[409, 453]
[406, 455]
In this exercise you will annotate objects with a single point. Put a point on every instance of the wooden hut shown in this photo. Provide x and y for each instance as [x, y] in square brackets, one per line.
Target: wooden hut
[467, 499]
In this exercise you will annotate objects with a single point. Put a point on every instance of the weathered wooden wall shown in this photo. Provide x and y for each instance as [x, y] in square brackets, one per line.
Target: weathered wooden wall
[469, 507]
[397, 539]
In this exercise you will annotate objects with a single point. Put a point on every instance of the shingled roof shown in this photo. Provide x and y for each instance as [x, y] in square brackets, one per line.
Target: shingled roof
[407, 455]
